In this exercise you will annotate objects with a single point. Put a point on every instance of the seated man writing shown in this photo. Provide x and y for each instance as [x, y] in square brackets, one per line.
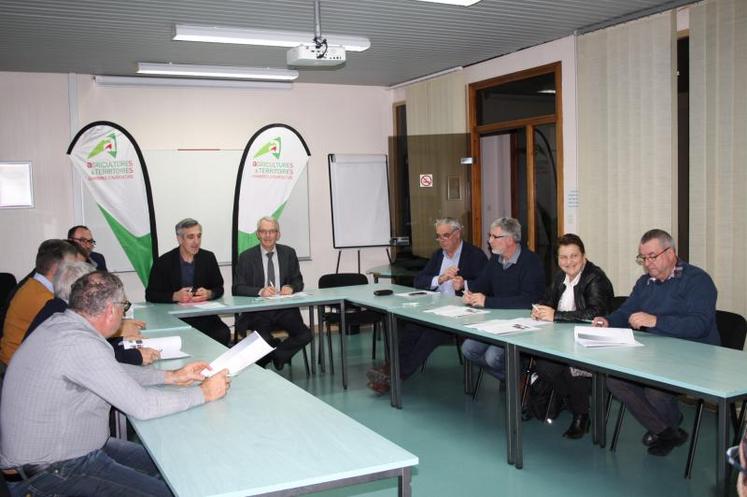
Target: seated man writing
[672, 299]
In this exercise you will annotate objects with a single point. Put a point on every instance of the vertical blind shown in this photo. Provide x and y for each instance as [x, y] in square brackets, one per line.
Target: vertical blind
[627, 141]
[718, 147]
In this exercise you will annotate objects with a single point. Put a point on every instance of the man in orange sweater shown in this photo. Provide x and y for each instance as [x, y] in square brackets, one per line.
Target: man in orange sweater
[31, 295]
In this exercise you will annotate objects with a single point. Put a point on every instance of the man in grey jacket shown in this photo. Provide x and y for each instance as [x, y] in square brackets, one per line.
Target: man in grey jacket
[59, 389]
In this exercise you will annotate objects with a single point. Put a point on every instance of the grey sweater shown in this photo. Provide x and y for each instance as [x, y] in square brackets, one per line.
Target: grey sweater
[59, 388]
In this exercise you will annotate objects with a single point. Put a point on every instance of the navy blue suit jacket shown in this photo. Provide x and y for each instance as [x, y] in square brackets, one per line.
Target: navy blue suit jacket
[471, 262]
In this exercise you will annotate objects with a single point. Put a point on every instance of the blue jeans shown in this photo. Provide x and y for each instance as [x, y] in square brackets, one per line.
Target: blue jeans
[489, 357]
[118, 469]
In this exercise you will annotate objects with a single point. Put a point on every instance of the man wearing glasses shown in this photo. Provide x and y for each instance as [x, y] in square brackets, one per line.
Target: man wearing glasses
[454, 262]
[513, 279]
[59, 389]
[673, 299]
[268, 270]
[82, 237]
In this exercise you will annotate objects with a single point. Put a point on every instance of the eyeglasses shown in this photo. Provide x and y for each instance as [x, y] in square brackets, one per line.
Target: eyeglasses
[732, 455]
[266, 232]
[445, 236]
[491, 236]
[87, 241]
[643, 259]
[126, 304]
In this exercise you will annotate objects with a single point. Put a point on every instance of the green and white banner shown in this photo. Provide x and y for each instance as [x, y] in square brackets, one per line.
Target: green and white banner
[271, 165]
[113, 170]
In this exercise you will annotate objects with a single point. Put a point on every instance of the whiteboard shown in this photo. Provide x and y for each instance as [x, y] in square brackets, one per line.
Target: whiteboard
[199, 184]
[359, 193]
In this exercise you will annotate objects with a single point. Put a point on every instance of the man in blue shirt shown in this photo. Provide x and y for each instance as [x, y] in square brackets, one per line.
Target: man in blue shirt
[513, 279]
[672, 299]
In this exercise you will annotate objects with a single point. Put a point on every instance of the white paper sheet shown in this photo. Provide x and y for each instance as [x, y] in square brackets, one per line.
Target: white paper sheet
[243, 354]
[298, 294]
[416, 293]
[203, 305]
[506, 326]
[592, 336]
[456, 311]
[169, 347]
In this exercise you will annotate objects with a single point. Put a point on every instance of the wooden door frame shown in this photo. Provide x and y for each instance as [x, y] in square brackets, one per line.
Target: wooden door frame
[477, 131]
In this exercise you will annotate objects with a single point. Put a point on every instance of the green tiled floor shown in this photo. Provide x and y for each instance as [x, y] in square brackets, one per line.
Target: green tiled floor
[461, 442]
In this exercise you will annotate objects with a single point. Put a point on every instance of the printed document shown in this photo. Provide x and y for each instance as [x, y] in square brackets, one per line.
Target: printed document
[169, 347]
[243, 354]
[591, 336]
[456, 311]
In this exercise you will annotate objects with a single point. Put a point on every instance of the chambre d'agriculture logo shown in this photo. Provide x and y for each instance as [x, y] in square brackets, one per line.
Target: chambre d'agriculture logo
[103, 164]
[266, 167]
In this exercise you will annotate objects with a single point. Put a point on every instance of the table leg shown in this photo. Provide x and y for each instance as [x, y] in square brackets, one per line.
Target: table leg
[722, 442]
[322, 337]
[313, 340]
[513, 407]
[598, 396]
[343, 346]
[394, 379]
[404, 479]
[120, 425]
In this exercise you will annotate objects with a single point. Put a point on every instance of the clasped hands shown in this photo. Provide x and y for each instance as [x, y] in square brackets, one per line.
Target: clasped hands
[271, 291]
[186, 295]
[452, 273]
[213, 388]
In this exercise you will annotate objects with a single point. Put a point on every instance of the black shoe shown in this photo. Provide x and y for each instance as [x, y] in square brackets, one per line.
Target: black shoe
[579, 426]
[667, 440]
[278, 364]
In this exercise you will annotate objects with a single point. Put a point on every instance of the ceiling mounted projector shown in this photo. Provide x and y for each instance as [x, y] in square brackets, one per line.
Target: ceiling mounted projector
[312, 56]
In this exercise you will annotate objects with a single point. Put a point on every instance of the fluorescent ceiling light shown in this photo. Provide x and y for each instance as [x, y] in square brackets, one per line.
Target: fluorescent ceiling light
[264, 37]
[127, 81]
[261, 73]
[462, 3]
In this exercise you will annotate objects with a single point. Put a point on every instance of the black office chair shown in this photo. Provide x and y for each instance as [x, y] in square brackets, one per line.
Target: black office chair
[354, 315]
[732, 329]
[7, 284]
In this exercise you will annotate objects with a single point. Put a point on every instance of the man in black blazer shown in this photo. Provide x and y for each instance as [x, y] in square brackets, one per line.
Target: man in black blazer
[266, 270]
[82, 237]
[189, 274]
[454, 262]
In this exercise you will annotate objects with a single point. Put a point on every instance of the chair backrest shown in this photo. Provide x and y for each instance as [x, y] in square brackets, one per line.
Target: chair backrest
[7, 283]
[342, 279]
[732, 328]
[616, 302]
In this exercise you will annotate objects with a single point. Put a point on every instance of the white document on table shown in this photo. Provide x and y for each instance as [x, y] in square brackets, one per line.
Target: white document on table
[243, 354]
[456, 311]
[278, 296]
[592, 336]
[203, 305]
[169, 347]
[506, 326]
[416, 293]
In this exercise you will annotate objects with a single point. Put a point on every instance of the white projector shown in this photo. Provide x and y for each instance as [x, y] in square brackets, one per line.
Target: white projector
[308, 55]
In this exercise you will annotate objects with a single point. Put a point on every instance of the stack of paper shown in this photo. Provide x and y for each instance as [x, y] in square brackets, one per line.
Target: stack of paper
[590, 336]
[506, 326]
[243, 354]
[169, 347]
[456, 311]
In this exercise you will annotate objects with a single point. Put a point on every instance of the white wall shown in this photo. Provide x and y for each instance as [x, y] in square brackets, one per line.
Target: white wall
[34, 126]
[331, 118]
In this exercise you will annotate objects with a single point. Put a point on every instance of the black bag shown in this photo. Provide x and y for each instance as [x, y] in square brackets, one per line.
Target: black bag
[542, 401]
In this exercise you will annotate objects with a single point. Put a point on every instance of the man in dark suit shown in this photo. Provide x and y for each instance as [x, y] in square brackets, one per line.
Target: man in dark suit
[82, 237]
[189, 274]
[267, 270]
[449, 266]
